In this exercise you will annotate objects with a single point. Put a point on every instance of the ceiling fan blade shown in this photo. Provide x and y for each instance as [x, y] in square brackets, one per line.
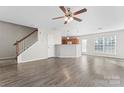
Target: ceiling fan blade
[58, 17]
[77, 19]
[63, 9]
[80, 11]
[65, 22]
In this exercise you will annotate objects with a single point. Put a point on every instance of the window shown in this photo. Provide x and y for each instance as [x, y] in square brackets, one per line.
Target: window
[99, 44]
[106, 44]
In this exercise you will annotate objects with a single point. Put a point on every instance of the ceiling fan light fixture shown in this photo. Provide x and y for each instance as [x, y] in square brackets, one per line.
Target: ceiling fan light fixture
[71, 18]
[66, 18]
[69, 15]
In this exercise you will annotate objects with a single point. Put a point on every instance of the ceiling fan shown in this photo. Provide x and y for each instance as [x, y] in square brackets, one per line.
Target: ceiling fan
[69, 16]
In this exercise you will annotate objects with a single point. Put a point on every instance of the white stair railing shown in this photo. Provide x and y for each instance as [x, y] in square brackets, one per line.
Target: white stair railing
[26, 42]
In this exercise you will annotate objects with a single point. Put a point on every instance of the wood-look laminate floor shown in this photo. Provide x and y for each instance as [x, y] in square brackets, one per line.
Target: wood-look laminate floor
[86, 71]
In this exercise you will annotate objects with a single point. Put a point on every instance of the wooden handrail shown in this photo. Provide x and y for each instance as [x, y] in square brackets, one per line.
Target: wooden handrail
[25, 37]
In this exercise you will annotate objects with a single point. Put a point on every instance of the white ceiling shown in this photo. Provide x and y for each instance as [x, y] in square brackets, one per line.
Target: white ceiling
[105, 17]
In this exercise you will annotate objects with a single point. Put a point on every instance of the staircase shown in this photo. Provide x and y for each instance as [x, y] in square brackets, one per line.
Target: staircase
[26, 42]
[21, 45]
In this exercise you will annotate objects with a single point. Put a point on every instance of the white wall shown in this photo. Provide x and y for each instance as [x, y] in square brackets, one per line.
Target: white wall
[53, 38]
[39, 50]
[119, 47]
[9, 33]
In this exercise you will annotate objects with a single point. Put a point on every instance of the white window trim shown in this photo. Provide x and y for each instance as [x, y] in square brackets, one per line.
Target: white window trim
[103, 51]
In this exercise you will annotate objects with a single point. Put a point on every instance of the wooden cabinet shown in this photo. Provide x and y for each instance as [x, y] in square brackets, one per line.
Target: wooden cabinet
[70, 40]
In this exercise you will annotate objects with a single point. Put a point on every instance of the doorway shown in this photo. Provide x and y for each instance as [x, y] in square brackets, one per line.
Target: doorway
[84, 46]
[51, 50]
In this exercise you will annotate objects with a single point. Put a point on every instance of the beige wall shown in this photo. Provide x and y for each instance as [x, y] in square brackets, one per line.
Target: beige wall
[9, 33]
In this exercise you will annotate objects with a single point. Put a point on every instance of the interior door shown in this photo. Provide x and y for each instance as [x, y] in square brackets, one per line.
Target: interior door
[84, 45]
[51, 47]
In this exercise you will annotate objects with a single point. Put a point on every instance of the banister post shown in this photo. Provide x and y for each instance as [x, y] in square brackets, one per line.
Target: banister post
[17, 48]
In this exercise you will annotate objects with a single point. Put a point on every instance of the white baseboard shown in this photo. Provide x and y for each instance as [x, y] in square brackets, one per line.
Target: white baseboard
[32, 60]
[7, 58]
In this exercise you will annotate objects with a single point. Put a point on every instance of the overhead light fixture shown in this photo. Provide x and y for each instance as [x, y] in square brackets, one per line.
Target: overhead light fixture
[69, 15]
[71, 18]
[68, 38]
[66, 19]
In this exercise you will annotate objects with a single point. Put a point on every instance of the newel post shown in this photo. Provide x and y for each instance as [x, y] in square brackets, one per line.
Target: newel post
[17, 48]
